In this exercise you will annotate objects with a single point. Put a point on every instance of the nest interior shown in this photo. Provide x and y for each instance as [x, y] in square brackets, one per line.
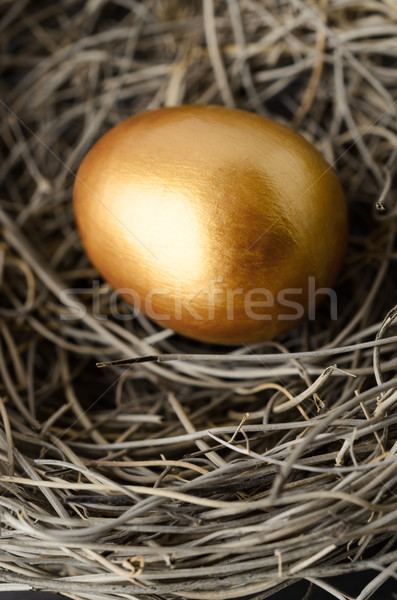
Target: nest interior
[220, 476]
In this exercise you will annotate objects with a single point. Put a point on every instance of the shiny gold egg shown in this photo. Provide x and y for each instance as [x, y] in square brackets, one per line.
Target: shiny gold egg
[215, 222]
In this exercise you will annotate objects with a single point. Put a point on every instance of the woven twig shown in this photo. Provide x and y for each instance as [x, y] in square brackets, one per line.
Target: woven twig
[199, 472]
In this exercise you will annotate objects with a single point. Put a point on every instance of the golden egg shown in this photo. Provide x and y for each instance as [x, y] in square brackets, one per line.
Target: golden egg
[215, 222]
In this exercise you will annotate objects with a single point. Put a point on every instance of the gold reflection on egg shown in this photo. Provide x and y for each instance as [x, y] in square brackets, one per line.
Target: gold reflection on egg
[216, 222]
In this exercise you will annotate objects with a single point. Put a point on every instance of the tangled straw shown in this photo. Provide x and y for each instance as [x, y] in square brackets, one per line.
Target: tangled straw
[191, 472]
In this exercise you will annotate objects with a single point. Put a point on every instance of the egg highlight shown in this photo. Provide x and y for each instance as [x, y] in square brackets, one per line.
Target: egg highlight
[222, 225]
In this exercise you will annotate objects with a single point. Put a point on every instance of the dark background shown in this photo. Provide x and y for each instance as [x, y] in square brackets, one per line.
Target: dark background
[349, 584]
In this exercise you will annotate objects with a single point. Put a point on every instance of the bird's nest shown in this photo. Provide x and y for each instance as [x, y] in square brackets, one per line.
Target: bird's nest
[220, 476]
